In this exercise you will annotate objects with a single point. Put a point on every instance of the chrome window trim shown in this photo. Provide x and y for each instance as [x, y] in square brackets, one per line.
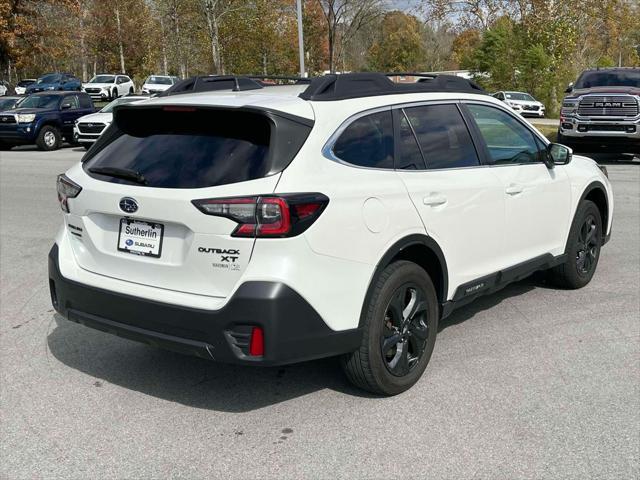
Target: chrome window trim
[327, 149]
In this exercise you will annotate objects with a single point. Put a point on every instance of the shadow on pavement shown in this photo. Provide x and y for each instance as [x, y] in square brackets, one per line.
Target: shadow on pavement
[204, 384]
[604, 158]
[189, 380]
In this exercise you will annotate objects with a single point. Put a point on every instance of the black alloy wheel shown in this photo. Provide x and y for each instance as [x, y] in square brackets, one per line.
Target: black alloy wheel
[583, 248]
[405, 332]
[588, 246]
[399, 326]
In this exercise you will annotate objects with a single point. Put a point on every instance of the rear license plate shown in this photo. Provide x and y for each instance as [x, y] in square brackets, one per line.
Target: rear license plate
[140, 238]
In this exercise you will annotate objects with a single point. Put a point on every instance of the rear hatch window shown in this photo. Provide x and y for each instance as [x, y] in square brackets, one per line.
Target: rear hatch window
[188, 147]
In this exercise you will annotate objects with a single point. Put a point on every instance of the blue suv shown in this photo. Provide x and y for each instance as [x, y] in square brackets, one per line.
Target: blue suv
[55, 81]
[44, 119]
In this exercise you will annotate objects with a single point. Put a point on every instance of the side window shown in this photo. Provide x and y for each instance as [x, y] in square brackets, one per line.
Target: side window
[367, 141]
[71, 100]
[409, 153]
[85, 101]
[443, 136]
[119, 80]
[508, 141]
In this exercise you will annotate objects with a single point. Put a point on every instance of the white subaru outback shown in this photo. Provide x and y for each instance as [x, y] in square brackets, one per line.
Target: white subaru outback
[271, 225]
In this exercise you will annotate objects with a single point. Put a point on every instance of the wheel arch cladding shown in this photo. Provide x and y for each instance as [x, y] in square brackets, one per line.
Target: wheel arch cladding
[596, 193]
[421, 250]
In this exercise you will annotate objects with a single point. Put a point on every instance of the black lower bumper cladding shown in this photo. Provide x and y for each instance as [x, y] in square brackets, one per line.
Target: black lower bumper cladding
[293, 330]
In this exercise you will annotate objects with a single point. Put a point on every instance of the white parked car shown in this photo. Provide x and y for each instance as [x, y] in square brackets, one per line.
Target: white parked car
[88, 129]
[108, 87]
[270, 226]
[523, 103]
[3, 89]
[21, 86]
[157, 84]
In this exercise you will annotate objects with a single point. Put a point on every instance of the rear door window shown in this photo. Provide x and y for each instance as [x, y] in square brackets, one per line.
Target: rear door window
[367, 141]
[195, 148]
[85, 102]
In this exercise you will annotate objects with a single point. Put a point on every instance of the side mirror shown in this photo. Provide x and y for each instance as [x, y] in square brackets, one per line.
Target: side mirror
[558, 154]
[65, 106]
[569, 88]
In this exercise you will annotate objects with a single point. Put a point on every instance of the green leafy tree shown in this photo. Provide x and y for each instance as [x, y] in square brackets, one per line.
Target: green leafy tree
[399, 46]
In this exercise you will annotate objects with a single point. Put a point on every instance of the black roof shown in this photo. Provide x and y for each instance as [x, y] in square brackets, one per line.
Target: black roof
[330, 87]
[357, 85]
[234, 83]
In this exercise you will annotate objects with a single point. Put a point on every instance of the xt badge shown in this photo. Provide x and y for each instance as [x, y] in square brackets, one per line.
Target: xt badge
[226, 255]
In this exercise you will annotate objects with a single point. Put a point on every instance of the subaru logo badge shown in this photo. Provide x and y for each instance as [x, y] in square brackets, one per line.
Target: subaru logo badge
[89, 124]
[128, 205]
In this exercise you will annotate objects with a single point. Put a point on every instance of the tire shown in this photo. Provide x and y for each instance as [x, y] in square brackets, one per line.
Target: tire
[49, 138]
[114, 94]
[131, 91]
[394, 353]
[583, 249]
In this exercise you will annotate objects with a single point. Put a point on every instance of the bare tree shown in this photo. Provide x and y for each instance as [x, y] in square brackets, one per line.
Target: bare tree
[344, 19]
[119, 30]
[214, 11]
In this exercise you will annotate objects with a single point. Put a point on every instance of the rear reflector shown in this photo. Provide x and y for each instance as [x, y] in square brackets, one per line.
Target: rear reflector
[256, 344]
[267, 215]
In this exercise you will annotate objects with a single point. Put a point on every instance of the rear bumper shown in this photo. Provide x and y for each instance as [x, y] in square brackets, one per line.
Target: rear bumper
[293, 330]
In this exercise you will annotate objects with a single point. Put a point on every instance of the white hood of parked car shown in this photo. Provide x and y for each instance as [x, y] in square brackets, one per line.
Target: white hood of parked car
[525, 102]
[156, 86]
[97, 85]
[97, 118]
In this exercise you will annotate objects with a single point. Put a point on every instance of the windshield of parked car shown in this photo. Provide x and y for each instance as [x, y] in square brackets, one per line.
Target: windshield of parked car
[7, 103]
[159, 80]
[120, 101]
[612, 78]
[519, 96]
[49, 79]
[40, 101]
[103, 79]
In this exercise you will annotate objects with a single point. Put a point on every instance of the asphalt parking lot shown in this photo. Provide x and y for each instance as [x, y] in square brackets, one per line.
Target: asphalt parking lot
[529, 383]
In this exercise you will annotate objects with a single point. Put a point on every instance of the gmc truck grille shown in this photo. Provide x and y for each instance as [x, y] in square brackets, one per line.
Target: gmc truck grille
[608, 106]
[91, 127]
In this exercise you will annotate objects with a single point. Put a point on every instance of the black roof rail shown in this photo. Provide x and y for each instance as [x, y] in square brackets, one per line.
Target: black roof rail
[357, 85]
[211, 83]
[296, 80]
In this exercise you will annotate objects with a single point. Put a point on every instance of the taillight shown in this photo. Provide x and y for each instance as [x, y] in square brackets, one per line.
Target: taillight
[66, 189]
[267, 215]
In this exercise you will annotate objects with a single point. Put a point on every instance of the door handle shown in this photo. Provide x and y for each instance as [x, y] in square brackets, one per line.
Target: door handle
[514, 189]
[434, 200]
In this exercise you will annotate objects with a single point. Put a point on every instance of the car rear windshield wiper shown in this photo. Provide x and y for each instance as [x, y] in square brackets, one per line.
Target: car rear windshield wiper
[123, 173]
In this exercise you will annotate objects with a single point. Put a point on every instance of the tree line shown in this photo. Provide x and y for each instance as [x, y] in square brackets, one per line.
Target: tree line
[534, 45]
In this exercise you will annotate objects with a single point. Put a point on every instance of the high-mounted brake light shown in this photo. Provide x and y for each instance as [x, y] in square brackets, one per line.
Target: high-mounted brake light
[267, 215]
[172, 108]
[66, 189]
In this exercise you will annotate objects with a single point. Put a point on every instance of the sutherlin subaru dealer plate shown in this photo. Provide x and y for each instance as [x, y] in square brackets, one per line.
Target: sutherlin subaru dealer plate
[140, 238]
